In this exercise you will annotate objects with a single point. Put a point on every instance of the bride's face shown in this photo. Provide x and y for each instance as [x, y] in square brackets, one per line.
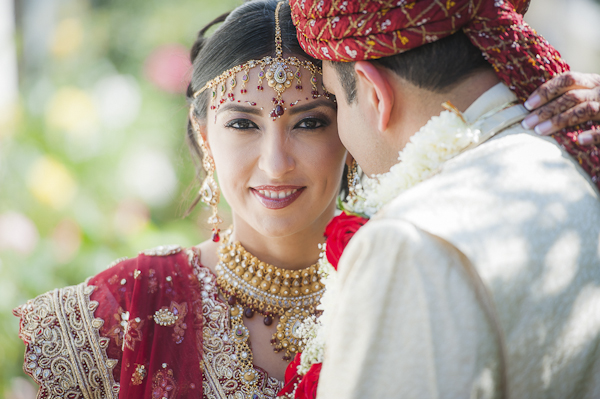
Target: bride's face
[280, 176]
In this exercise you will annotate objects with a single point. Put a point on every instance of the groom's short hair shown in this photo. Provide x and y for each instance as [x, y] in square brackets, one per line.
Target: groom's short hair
[434, 66]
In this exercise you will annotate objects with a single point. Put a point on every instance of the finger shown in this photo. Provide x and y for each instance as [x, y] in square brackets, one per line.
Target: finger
[588, 111]
[559, 85]
[561, 104]
[589, 137]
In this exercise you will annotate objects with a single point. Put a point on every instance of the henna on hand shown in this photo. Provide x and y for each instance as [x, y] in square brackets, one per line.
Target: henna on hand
[573, 114]
[579, 114]
[567, 100]
[559, 85]
[561, 104]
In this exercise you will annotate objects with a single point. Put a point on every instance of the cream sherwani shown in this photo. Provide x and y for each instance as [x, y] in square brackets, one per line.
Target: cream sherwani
[519, 214]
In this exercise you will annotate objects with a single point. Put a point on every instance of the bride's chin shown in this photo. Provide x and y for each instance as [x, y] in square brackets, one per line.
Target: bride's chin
[278, 228]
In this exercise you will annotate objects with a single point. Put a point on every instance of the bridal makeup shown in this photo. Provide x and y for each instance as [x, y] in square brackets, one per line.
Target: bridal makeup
[277, 197]
[279, 175]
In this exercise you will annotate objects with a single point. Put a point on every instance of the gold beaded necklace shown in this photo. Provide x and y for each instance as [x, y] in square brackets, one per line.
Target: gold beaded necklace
[293, 295]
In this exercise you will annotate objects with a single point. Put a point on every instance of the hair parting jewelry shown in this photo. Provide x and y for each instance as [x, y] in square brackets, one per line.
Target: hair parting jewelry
[278, 71]
[290, 294]
[209, 191]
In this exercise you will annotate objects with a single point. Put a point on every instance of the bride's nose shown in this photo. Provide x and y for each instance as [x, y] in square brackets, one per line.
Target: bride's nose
[276, 157]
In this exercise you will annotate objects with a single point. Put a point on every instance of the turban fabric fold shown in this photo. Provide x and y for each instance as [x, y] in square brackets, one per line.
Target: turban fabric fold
[358, 30]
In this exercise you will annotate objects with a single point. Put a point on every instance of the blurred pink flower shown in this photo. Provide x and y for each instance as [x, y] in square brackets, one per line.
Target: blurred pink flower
[17, 232]
[169, 68]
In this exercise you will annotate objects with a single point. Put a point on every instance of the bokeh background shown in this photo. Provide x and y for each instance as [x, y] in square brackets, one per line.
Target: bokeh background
[93, 161]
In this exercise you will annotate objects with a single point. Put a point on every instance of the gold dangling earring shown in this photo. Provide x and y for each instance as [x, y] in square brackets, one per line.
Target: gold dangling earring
[353, 180]
[209, 191]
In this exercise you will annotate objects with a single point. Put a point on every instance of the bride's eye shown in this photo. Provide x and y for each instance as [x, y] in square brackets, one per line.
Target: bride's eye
[310, 123]
[241, 124]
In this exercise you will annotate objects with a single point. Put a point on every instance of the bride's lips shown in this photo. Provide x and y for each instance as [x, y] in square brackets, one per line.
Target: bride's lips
[277, 197]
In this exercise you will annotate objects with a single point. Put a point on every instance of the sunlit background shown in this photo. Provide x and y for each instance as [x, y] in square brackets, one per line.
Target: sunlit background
[93, 162]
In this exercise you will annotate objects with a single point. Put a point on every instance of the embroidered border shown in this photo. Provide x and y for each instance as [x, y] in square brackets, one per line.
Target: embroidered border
[222, 377]
[65, 353]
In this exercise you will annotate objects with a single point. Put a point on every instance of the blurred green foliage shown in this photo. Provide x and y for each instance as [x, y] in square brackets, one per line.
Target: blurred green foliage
[72, 174]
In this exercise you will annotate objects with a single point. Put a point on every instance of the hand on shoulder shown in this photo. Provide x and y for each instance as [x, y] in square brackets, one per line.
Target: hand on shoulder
[567, 100]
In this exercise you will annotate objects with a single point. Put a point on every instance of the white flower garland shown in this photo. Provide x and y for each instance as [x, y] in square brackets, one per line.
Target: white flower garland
[313, 329]
[441, 139]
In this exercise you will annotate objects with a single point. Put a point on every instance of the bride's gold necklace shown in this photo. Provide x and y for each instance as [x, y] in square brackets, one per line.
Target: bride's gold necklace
[293, 295]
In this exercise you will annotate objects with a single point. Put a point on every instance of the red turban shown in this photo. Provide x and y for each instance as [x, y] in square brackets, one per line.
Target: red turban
[355, 30]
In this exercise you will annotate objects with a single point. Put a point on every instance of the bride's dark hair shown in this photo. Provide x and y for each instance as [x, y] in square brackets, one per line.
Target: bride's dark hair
[247, 33]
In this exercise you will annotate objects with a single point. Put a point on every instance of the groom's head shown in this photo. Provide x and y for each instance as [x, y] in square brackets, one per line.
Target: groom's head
[405, 57]
[382, 102]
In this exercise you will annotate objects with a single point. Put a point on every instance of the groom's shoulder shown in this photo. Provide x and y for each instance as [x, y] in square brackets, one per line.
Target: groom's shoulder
[521, 151]
[516, 161]
[517, 174]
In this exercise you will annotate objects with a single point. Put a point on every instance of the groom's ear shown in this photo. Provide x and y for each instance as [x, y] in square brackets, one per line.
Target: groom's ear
[377, 91]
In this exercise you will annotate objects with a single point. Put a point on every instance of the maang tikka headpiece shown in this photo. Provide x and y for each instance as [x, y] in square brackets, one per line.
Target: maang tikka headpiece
[279, 72]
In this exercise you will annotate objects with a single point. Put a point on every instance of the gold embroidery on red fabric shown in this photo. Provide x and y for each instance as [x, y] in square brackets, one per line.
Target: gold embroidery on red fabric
[173, 316]
[138, 375]
[152, 282]
[164, 317]
[365, 28]
[179, 310]
[116, 331]
[163, 250]
[116, 262]
[65, 353]
[222, 377]
[132, 331]
[113, 280]
[163, 384]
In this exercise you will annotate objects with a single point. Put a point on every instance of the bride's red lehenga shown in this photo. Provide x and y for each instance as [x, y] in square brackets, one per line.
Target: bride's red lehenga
[148, 327]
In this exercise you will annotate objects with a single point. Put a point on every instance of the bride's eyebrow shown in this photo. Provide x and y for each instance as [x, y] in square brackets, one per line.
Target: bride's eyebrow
[296, 109]
[239, 108]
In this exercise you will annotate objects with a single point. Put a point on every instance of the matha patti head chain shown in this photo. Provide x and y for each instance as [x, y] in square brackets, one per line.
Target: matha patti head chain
[280, 73]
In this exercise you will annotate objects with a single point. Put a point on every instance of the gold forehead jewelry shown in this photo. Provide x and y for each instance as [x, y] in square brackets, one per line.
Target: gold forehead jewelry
[279, 72]
[293, 295]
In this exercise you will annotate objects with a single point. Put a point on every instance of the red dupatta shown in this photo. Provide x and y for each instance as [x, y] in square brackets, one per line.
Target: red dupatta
[132, 331]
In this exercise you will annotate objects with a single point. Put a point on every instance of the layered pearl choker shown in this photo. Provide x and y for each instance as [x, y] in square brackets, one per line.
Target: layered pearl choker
[293, 295]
